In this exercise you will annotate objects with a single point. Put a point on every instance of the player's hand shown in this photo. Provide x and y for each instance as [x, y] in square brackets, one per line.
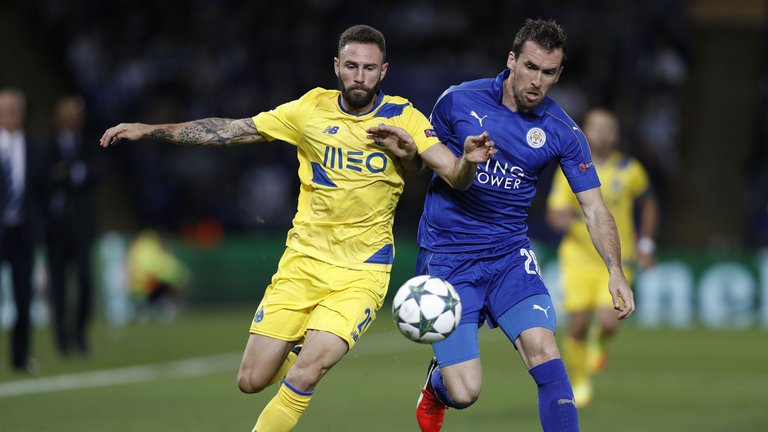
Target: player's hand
[478, 148]
[394, 139]
[129, 131]
[621, 293]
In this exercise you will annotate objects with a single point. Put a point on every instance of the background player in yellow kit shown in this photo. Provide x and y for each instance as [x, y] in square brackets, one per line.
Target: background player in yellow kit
[334, 274]
[582, 271]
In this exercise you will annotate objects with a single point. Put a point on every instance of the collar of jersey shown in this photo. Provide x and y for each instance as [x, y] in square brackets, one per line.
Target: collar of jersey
[379, 98]
[498, 88]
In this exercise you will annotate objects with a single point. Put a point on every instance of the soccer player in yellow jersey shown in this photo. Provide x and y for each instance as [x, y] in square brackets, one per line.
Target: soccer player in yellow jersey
[353, 145]
[583, 273]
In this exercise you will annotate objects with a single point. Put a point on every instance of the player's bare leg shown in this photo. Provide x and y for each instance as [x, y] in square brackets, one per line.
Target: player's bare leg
[320, 352]
[607, 324]
[577, 357]
[261, 361]
[461, 385]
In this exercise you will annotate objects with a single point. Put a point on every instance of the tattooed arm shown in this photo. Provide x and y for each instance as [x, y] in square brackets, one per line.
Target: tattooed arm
[213, 132]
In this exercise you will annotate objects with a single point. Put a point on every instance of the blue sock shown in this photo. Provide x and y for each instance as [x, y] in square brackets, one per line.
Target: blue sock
[557, 410]
[436, 380]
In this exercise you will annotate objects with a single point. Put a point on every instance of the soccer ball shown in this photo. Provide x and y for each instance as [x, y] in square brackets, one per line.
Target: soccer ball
[426, 309]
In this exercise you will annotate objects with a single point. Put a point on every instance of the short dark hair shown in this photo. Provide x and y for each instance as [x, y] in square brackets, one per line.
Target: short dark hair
[363, 34]
[547, 33]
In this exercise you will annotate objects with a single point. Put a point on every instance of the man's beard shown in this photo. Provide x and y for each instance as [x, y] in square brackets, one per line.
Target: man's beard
[356, 101]
[523, 104]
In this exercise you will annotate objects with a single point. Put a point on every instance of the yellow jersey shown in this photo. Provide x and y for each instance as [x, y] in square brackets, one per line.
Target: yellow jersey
[349, 185]
[623, 180]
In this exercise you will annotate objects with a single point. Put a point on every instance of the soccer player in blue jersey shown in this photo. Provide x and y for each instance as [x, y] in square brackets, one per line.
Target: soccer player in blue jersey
[353, 145]
[476, 239]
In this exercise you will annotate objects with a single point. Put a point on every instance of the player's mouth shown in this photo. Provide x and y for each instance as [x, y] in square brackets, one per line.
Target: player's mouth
[532, 96]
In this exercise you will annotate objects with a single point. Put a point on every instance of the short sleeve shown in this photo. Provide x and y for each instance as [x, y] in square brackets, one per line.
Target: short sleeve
[286, 122]
[576, 162]
[417, 124]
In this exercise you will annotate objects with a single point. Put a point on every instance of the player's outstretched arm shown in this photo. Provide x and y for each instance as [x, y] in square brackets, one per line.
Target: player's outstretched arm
[605, 237]
[215, 132]
[459, 172]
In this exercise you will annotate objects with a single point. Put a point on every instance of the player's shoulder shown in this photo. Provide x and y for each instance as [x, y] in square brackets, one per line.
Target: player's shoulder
[474, 88]
[628, 162]
[319, 93]
[554, 113]
[392, 106]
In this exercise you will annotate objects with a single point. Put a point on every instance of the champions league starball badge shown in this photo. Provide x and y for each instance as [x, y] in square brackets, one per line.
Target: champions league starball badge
[536, 137]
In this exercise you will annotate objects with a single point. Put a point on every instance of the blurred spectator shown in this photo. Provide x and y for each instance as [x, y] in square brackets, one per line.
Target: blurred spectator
[155, 277]
[19, 161]
[70, 223]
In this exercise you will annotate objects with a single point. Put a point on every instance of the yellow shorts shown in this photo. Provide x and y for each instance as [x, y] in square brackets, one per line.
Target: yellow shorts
[585, 286]
[309, 294]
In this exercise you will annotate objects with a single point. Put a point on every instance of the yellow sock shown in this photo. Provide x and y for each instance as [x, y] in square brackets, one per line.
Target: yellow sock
[287, 363]
[284, 410]
[576, 359]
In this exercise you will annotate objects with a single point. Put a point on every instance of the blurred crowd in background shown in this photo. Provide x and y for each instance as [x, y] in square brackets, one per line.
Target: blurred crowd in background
[82, 66]
[162, 62]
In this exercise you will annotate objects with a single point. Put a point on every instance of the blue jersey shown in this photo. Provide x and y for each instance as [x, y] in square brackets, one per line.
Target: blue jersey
[493, 211]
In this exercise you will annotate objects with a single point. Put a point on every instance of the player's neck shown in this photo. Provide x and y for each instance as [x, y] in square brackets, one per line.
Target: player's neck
[508, 97]
[357, 111]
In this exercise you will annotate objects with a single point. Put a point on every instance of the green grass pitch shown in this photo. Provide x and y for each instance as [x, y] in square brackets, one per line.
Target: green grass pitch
[656, 380]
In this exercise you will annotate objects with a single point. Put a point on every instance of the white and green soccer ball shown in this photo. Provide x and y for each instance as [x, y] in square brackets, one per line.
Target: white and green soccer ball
[426, 309]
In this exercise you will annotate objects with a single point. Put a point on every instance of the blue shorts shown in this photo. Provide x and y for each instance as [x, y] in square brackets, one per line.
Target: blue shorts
[489, 282]
[502, 286]
[462, 345]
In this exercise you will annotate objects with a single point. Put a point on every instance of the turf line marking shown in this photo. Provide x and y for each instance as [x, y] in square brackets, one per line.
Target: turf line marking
[192, 367]
[187, 368]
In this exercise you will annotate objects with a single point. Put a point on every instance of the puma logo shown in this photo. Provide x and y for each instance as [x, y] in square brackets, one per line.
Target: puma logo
[566, 401]
[479, 119]
[537, 307]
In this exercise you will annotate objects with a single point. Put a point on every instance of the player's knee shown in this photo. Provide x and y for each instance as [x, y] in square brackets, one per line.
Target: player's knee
[249, 383]
[465, 398]
[305, 377]
[465, 394]
[578, 333]
[542, 353]
[609, 327]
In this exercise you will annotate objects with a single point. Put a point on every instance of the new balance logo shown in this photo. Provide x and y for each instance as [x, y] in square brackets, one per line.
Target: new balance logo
[331, 130]
[537, 307]
[479, 119]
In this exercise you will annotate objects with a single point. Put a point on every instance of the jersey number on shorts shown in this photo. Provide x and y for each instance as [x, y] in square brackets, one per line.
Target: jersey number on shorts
[531, 263]
[365, 321]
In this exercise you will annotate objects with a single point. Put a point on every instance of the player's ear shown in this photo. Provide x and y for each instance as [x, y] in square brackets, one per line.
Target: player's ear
[511, 60]
[336, 66]
[384, 68]
[559, 72]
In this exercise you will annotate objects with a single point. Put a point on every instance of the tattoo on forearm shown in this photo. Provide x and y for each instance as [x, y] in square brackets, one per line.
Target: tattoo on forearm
[211, 132]
[161, 134]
